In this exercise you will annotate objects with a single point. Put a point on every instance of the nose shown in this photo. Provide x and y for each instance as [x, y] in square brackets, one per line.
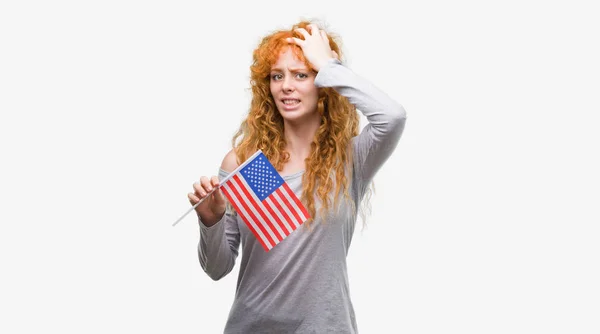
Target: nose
[288, 84]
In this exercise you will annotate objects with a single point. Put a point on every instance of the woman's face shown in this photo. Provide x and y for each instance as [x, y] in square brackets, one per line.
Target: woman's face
[293, 88]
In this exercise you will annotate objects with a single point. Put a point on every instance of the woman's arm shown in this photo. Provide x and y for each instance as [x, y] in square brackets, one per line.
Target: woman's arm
[220, 240]
[218, 246]
[378, 139]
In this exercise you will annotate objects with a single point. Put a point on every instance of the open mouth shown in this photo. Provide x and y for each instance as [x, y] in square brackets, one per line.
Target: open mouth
[290, 102]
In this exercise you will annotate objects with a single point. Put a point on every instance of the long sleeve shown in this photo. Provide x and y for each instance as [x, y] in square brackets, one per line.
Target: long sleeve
[219, 244]
[378, 139]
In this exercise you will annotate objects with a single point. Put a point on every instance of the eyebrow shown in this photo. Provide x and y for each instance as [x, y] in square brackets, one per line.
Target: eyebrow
[292, 69]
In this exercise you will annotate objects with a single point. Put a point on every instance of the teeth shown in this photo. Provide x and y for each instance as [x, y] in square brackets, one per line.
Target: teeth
[290, 101]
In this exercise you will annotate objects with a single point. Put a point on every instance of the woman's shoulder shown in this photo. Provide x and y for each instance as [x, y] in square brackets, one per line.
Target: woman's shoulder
[230, 161]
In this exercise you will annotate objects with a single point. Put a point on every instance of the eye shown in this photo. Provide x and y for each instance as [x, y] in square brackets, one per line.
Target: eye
[302, 75]
[276, 77]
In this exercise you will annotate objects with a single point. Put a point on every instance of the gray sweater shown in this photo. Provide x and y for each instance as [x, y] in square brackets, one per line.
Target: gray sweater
[301, 285]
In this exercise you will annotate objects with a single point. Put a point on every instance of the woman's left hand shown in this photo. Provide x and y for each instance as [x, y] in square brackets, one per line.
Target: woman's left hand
[315, 46]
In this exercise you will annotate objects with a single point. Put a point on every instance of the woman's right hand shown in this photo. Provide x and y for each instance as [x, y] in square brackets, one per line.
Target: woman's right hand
[315, 46]
[213, 208]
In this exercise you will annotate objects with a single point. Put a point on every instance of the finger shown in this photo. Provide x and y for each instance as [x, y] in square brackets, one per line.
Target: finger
[324, 36]
[314, 29]
[335, 55]
[295, 40]
[214, 181]
[193, 198]
[200, 192]
[303, 32]
[205, 182]
[218, 196]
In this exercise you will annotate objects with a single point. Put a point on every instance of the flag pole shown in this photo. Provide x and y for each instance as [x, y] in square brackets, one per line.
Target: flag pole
[195, 205]
[219, 186]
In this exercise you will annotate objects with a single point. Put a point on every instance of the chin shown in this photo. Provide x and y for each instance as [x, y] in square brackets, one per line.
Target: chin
[293, 115]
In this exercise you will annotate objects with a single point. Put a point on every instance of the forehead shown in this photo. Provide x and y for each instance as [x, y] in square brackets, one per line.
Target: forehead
[287, 59]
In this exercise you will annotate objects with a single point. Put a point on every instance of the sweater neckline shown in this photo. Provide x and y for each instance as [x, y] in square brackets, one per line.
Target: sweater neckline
[293, 175]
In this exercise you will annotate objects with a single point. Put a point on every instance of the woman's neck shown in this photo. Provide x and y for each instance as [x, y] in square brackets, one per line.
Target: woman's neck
[298, 138]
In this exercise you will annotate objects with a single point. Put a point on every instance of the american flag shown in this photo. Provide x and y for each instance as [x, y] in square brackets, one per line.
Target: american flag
[264, 200]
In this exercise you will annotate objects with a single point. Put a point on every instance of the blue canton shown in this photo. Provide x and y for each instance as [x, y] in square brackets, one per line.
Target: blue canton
[261, 176]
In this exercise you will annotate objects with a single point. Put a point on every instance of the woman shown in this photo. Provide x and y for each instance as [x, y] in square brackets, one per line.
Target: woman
[303, 116]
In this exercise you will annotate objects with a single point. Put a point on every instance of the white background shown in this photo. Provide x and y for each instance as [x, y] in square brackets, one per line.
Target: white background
[485, 218]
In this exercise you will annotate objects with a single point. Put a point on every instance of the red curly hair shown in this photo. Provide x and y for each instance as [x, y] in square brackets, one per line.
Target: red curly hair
[328, 165]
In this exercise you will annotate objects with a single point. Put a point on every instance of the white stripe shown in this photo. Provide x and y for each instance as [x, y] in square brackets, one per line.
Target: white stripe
[241, 208]
[281, 218]
[286, 209]
[253, 209]
[293, 204]
[263, 208]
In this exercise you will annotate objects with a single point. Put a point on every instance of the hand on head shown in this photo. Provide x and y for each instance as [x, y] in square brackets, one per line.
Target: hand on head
[213, 208]
[315, 46]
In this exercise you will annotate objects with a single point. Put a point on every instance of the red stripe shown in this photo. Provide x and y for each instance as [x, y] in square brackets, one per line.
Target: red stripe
[258, 208]
[282, 211]
[287, 204]
[298, 203]
[252, 216]
[237, 209]
[275, 216]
